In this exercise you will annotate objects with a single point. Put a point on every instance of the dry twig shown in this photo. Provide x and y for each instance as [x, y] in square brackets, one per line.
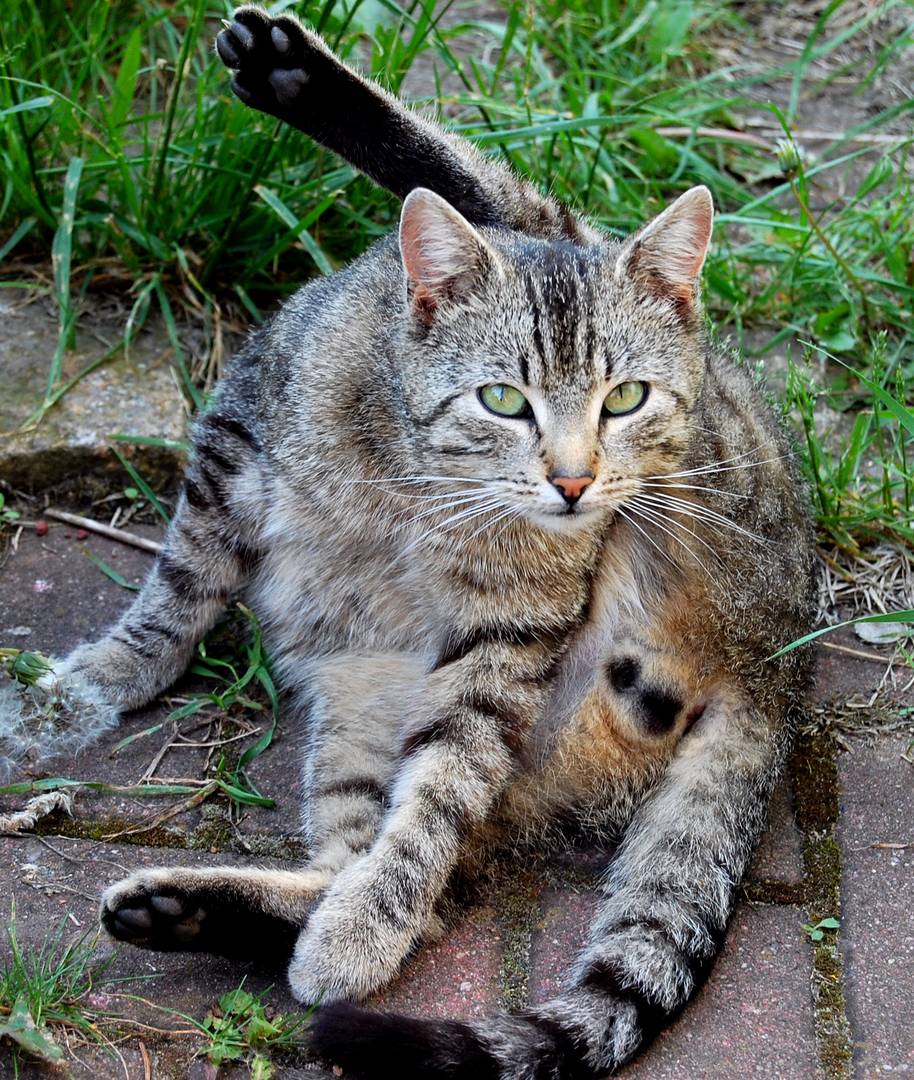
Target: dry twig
[121, 535]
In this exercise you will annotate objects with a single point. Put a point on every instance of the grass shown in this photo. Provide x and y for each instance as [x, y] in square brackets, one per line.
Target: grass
[241, 1028]
[46, 1001]
[44, 991]
[125, 156]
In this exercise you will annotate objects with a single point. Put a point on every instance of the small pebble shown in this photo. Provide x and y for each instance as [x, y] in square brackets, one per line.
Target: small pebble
[41, 528]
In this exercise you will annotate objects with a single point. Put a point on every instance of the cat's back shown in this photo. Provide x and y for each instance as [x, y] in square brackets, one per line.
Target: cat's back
[328, 335]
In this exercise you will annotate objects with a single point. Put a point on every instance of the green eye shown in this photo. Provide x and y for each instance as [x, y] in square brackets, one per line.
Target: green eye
[504, 400]
[625, 398]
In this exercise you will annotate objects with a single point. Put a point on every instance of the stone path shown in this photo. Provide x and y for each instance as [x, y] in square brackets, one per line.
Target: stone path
[776, 1003]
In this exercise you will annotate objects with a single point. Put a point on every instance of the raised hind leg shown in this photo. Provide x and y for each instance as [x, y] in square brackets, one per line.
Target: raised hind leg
[283, 69]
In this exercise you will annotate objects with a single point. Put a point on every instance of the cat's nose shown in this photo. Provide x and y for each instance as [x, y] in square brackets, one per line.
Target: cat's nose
[571, 487]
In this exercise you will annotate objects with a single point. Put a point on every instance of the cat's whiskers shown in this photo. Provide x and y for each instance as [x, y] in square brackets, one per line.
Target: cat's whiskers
[666, 555]
[651, 514]
[449, 523]
[452, 522]
[700, 513]
[719, 467]
[510, 512]
[695, 487]
[459, 500]
[431, 479]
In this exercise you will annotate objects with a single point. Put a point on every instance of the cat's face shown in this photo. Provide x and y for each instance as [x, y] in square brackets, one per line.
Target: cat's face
[550, 381]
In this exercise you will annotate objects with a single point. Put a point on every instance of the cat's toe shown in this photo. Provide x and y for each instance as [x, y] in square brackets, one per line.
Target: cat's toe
[227, 48]
[281, 40]
[246, 42]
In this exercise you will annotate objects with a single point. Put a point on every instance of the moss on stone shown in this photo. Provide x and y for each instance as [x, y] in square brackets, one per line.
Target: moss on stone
[108, 830]
[814, 772]
[516, 901]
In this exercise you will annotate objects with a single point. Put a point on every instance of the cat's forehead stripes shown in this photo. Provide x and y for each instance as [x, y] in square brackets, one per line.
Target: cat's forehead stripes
[566, 339]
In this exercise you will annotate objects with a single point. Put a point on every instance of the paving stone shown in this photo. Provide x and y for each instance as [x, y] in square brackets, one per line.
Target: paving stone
[52, 598]
[753, 1017]
[840, 676]
[457, 977]
[57, 878]
[779, 855]
[877, 931]
[137, 394]
[560, 933]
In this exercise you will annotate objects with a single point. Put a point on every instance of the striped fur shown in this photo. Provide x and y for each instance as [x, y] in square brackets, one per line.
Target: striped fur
[471, 660]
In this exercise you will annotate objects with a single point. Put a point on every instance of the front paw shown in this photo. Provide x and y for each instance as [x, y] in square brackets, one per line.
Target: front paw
[272, 59]
[354, 943]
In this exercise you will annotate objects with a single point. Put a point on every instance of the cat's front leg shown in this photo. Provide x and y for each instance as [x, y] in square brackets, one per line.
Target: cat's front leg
[481, 701]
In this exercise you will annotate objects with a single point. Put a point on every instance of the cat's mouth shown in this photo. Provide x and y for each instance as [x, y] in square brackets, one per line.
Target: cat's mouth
[565, 518]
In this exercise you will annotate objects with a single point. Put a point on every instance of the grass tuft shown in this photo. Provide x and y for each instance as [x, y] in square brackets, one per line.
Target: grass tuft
[43, 992]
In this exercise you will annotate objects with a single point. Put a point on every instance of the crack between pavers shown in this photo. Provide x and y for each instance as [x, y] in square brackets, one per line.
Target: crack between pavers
[213, 836]
[814, 776]
[517, 907]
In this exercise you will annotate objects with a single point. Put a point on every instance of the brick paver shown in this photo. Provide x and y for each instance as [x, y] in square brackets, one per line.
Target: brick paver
[876, 829]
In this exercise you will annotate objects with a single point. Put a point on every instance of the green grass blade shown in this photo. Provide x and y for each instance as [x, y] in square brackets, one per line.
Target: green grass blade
[142, 485]
[61, 256]
[150, 440]
[125, 83]
[21, 231]
[286, 215]
[886, 617]
[902, 414]
[110, 572]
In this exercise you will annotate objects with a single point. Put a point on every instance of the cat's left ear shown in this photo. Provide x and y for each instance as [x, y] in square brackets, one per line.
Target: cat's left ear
[667, 255]
[444, 257]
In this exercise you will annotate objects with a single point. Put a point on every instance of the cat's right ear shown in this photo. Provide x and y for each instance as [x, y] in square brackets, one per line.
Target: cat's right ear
[444, 257]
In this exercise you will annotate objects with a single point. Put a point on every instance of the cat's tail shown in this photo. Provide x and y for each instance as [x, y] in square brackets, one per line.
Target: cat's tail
[579, 1036]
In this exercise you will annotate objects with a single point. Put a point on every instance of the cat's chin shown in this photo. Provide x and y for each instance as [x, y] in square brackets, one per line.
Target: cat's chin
[563, 522]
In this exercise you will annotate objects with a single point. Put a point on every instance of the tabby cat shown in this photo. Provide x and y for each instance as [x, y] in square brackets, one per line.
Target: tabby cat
[522, 540]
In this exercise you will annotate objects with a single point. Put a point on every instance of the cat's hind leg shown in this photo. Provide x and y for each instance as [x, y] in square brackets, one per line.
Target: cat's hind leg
[285, 70]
